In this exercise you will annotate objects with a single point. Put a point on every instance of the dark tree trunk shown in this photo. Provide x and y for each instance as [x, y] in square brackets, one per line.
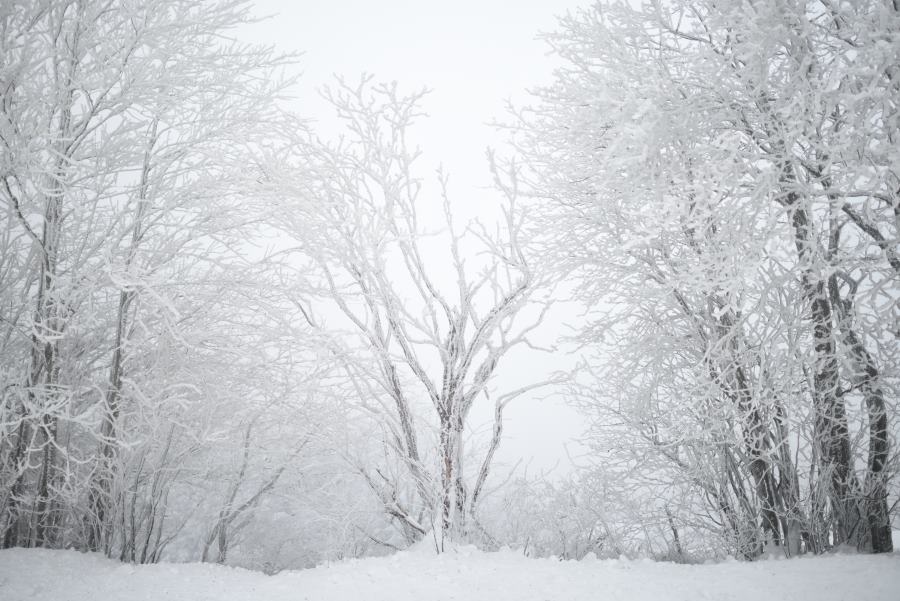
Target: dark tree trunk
[866, 377]
[832, 435]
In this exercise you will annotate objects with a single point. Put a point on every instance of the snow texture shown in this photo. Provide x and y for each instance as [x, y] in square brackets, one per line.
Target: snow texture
[462, 574]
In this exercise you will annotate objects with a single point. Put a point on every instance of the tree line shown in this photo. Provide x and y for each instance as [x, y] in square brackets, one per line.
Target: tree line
[221, 333]
[726, 175]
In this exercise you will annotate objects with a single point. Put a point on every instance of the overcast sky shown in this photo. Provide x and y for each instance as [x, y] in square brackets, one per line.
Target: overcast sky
[474, 56]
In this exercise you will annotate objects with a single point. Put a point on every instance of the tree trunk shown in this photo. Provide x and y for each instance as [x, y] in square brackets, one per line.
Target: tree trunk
[44, 502]
[447, 460]
[461, 526]
[13, 517]
[866, 377]
[753, 423]
[788, 487]
[45, 367]
[832, 435]
[101, 489]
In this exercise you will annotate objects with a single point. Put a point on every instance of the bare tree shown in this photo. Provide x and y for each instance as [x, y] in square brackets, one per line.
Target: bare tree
[436, 313]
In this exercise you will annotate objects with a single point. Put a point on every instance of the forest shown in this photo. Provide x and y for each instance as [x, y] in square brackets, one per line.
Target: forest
[229, 337]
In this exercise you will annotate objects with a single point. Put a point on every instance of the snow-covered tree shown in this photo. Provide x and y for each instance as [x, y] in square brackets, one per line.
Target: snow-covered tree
[126, 129]
[432, 310]
[723, 178]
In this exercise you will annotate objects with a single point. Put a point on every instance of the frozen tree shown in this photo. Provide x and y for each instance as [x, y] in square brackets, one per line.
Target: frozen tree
[126, 129]
[726, 177]
[434, 310]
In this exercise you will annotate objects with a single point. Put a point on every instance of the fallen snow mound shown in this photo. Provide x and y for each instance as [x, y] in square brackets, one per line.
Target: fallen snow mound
[464, 575]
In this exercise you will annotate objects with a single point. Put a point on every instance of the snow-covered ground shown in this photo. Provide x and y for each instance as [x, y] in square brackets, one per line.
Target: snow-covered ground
[465, 574]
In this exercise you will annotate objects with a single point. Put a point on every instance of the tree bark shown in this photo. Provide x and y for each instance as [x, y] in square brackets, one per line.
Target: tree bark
[866, 377]
[832, 434]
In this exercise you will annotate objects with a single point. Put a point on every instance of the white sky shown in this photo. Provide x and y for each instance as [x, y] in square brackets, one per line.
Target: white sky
[474, 55]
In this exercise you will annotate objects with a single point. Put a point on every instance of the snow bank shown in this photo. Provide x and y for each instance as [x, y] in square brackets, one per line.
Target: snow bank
[465, 575]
